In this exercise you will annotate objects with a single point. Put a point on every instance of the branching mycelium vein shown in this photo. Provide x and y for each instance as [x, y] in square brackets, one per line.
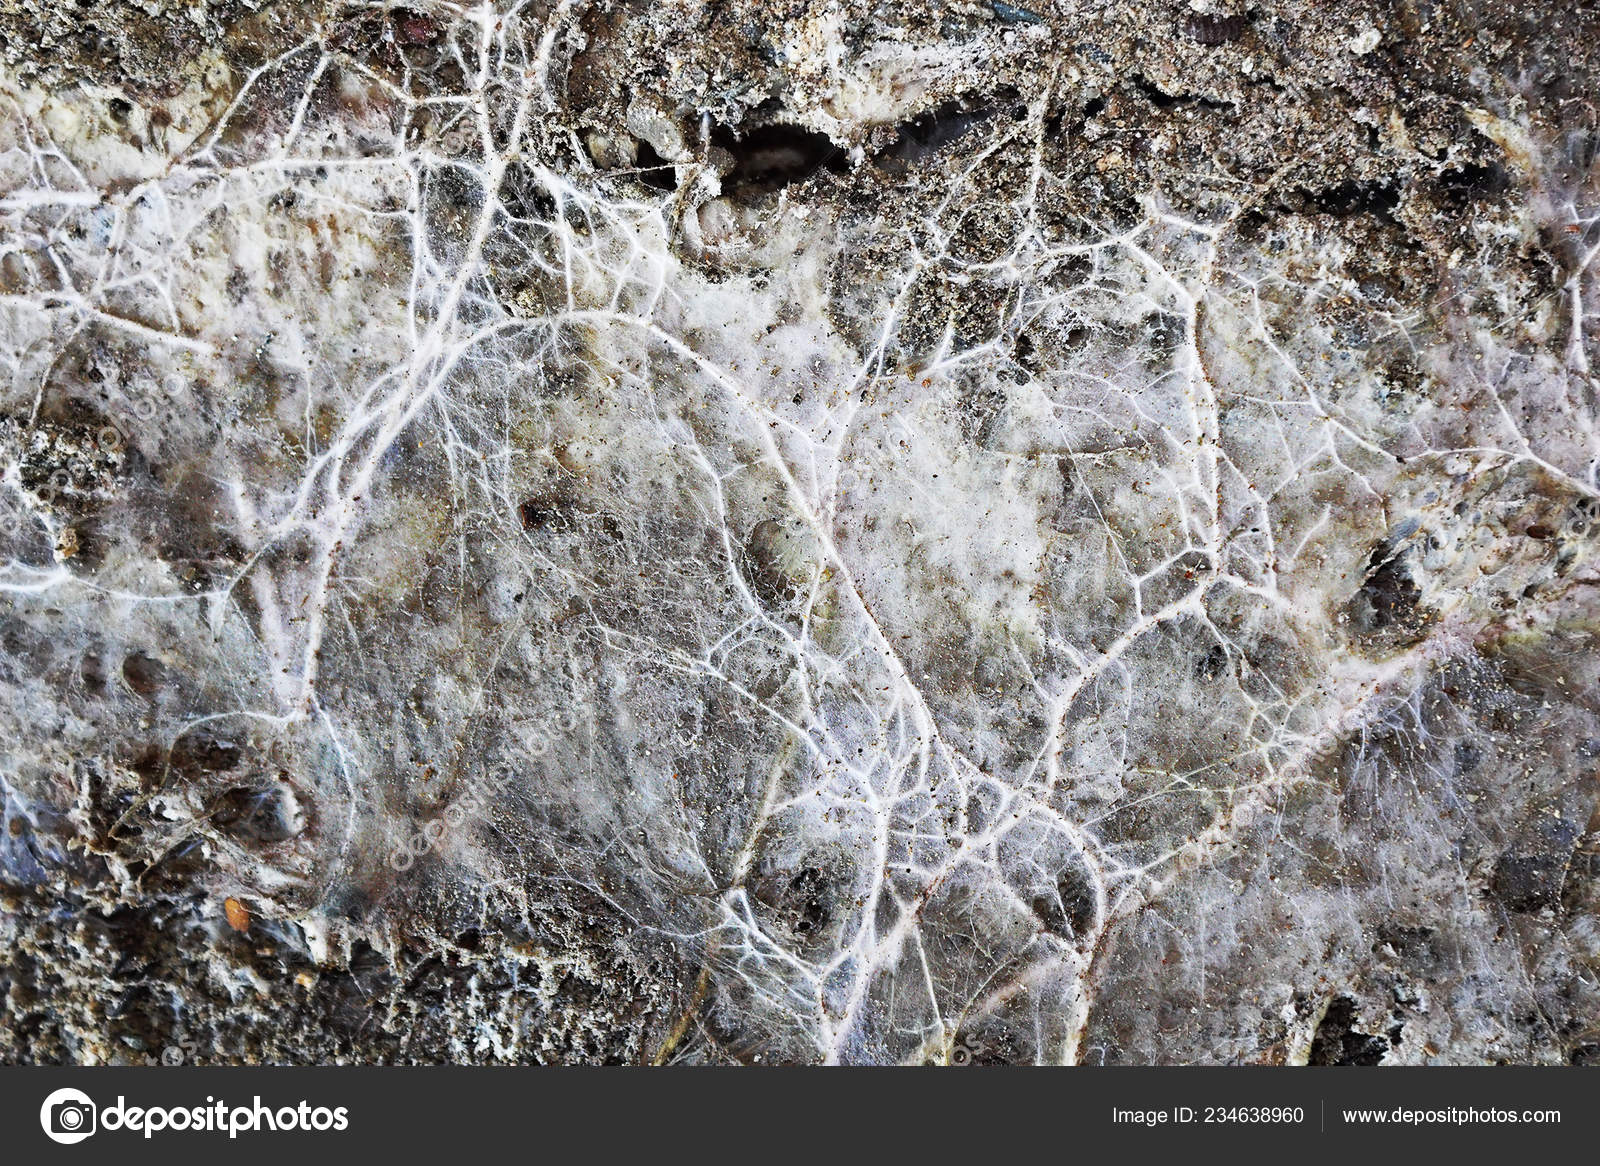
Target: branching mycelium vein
[490, 449]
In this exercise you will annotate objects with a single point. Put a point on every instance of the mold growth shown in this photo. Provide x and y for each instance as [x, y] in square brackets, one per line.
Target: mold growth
[610, 533]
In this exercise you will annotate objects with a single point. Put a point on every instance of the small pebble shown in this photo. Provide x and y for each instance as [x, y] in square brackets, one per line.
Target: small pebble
[238, 915]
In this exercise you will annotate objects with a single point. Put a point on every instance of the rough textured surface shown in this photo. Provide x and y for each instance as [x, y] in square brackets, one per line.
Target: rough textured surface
[944, 533]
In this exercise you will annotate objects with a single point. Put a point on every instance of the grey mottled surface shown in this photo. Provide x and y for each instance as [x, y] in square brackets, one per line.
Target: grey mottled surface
[799, 532]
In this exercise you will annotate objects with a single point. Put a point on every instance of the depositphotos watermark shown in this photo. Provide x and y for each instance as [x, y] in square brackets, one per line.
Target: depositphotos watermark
[70, 1115]
[181, 1053]
[537, 739]
[471, 804]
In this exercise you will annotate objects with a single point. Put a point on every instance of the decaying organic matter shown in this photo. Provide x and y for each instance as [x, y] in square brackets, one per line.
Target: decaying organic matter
[679, 532]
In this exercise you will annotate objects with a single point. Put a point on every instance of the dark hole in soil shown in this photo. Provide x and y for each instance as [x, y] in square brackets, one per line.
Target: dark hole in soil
[1388, 598]
[774, 156]
[1349, 199]
[654, 170]
[269, 814]
[197, 752]
[1473, 182]
[932, 131]
[1337, 1042]
[1156, 96]
[144, 674]
[809, 895]
[1213, 664]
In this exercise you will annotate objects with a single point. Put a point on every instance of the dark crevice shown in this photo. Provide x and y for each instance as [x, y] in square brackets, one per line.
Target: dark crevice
[1388, 595]
[1213, 663]
[774, 156]
[1157, 97]
[654, 170]
[1161, 99]
[1338, 1042]
[931, 132]
[808, 892]
[1466, 183]
[1352, 198]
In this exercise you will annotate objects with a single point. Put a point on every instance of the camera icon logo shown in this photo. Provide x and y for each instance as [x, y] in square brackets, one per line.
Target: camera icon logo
[68, 1116]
